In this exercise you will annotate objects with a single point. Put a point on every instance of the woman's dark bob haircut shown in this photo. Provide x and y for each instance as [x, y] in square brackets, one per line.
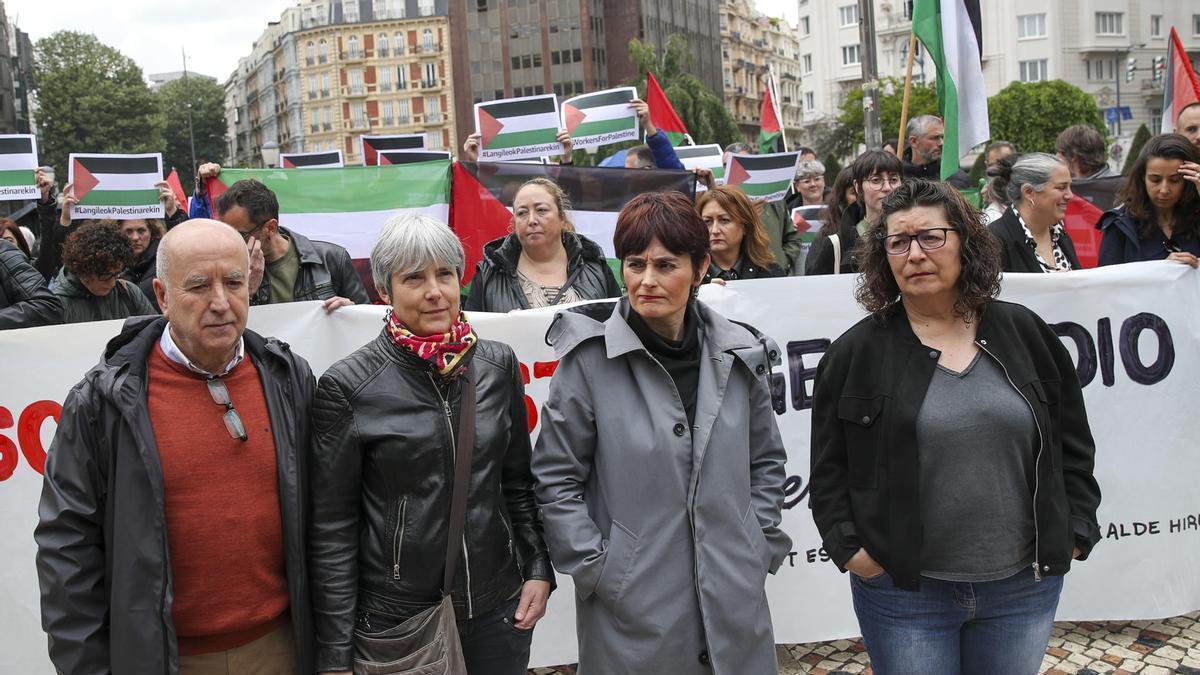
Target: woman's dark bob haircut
[979, 279]
[668, 217]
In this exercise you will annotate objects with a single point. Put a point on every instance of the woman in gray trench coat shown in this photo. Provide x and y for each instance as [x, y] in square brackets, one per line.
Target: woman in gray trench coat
[659, 465]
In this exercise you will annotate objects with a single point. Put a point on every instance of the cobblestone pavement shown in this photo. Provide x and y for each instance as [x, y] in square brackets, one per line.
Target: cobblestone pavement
[1114, 647]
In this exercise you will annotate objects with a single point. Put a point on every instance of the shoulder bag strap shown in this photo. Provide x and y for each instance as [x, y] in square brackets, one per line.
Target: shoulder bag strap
[837, 253]
[462, 476]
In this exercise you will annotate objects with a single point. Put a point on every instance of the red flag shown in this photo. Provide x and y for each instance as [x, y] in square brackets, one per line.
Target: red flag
[476, 216]
[1180, 86]
[177, 187]
[662, 114]
[770, 138]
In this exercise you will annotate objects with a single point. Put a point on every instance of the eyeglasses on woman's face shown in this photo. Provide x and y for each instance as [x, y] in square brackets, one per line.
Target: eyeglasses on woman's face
[878, 181]
[929, 240]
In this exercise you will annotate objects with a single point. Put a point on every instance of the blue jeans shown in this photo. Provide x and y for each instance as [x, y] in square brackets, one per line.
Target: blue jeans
[989, 628]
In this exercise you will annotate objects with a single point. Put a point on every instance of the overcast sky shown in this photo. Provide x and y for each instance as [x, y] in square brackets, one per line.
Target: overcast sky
[215, 33]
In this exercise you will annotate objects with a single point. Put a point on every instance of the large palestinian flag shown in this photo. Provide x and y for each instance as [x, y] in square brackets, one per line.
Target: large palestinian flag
[18, 167]
[373, 145]
[518, 128]
[483, 194]
[952, 34]
[601, 118]
[116, 186]
[311, 160]
[762, 176]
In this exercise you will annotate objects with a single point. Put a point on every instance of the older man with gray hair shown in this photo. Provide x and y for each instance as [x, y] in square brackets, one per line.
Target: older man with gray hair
[170, 537]
[924, 138]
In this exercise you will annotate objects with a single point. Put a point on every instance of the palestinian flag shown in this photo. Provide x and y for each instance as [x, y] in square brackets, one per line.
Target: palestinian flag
[518, 128]
[703, 157]
[387, 158]
[116, 186]
[483, 194]
[951, 33]
[311, 160]
[18, 167]
[663, 115]
[1180, 86]
[762, 176]
[602, 118]
[770, 138]
[373, 145]
[177, 188]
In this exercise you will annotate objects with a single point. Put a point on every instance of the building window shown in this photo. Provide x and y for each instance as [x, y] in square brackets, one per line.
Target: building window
[399, 46]
[810, 100]
[1034, 71]
[385, 114]
[1031, 26]
[381, 45]
[1101, 70]
[402, 111]
[358, 114]
[1196, 25]
[848, 15]
[1110, 23]
[427, 40]
[352, 47]
[430, 75]
[433, 140]
[385, 79]
[324, 85]
[401, 78]
[433, 109]
[310, 53]
[850, 55]
[350, 11]
[356, 81]
[807, 64]
[425, 7]
[1156, 118]
[805, 27]
[1156, 26]
[323, 52]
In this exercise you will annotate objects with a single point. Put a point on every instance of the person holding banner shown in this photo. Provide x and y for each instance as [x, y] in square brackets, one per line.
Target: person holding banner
[737, 241]
[1037, 187]
[1159, 216]
[875, 175]
[659, 465]
[952, 460]
[386, 424]
[543, 262]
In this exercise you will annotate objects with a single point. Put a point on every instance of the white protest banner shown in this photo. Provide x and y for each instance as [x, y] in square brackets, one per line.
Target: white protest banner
[1134, 331]
[120, 187]
[370, 146]
[312, 160]
[601, 118]
[765, 177]
[518, 128]
[18, 167]
[703, 157]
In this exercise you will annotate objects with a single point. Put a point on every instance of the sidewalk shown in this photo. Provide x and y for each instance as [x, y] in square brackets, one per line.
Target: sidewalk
[1116, 647]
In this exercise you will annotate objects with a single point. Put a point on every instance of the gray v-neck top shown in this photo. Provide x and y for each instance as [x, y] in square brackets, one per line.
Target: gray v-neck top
[976, 443]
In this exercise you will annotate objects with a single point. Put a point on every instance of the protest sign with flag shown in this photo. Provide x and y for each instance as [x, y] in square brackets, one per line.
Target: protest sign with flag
[518, 128]
[663, 114]
[484, 192]
[393, 157]
[311, 160]
[121, 187]
[762, 176]
[951, 33]
[371, 146]
[18, 167]
[770, 137]
[703, 157]
[601, 118]
[1180, 86]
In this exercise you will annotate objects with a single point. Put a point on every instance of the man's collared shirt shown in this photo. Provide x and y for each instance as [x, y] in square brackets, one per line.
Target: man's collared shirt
[167, 344]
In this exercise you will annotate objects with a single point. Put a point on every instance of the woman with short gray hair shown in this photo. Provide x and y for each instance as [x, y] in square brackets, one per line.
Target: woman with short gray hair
[1037, 188]
[387, 421]
[809, 182]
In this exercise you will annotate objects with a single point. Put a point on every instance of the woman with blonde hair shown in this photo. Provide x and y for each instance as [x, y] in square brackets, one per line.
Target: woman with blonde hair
[542, 262]
[737, 240]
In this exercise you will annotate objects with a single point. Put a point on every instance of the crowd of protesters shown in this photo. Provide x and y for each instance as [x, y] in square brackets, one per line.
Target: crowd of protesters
[398, 499]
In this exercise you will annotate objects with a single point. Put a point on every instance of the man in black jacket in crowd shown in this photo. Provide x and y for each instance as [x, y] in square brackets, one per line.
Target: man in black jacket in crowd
[924, 137]
[25, 300]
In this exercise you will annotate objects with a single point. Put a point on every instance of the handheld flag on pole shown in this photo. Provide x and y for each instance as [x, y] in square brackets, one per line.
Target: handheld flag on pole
[770, 138]
[1180, 86]
[951, 33]
[662, 114]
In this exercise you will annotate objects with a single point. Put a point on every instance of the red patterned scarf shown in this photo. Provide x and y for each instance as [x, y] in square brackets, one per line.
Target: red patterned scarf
[445, 351]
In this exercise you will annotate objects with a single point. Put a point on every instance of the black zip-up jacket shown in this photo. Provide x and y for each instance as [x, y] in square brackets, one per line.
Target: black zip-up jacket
[869, 388]
[820, 257]
[103, 563]
[325, 271]
[382, 464]
[25, 300]
[496, 288]
[1015, 253]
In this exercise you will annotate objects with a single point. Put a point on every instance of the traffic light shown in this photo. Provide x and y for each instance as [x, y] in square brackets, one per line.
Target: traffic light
[1131, 70]
[1160, 67]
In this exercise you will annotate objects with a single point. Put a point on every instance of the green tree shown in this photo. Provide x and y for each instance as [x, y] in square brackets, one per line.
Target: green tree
[848, 134]
[91, 98]
[702, 111]
[1135, 148]
[208, 121]
[1032, 114]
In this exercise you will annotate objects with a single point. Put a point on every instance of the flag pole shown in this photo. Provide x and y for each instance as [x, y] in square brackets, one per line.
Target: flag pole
[775, 104]
[187, 94]
[912, 53]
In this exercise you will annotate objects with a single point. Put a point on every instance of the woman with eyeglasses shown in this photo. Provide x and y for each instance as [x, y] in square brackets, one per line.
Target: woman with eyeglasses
[875, 174]
[1159, 216]
[951, 452]
[1037, 188]
[89, 284]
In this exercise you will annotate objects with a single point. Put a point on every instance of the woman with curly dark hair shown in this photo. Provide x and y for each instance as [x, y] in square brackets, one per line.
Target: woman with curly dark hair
[89, 284]
[1159, 216]
[951, 452]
